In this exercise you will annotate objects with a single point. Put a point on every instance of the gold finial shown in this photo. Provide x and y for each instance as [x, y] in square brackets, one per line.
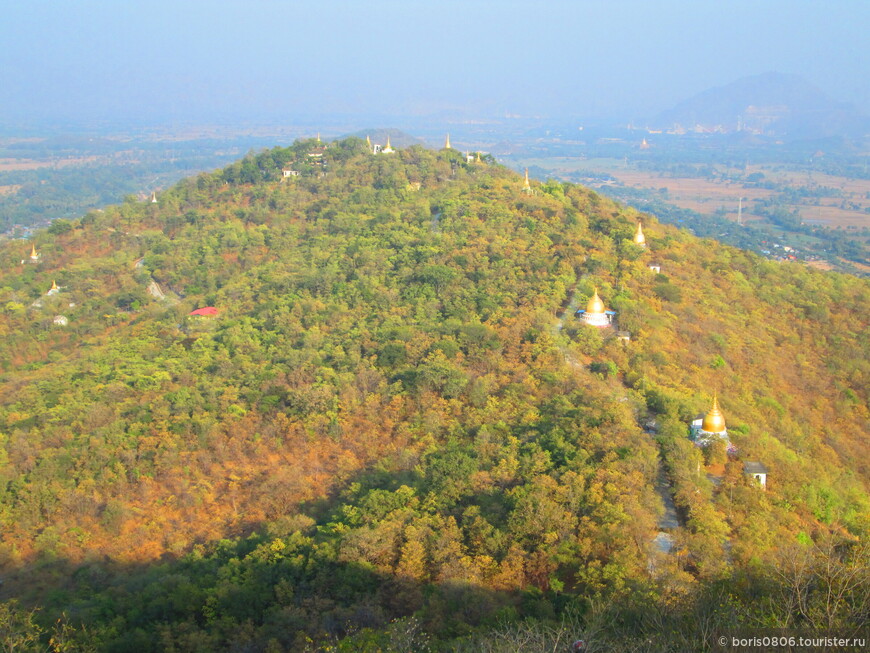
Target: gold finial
[639, 238]
[595, 305]
[447, 142]
[714, 421]
[33, 253]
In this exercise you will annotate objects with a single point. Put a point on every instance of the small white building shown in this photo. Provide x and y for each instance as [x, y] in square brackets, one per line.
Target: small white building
[60, 320]
[756, 471]
[655, 267]
[290, 173]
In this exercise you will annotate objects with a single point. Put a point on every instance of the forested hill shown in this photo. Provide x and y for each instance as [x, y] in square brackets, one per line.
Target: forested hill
[382, 436]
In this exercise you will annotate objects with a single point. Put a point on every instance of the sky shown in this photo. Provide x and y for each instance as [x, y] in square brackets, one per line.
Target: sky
[222, 61]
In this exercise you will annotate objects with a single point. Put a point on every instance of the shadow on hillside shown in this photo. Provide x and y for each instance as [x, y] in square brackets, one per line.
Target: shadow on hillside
[277, 589]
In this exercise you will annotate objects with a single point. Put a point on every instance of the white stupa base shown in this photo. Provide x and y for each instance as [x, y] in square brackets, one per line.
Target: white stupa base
[596, 319]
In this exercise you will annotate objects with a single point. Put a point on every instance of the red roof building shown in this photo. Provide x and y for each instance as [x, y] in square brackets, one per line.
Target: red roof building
[207, 311]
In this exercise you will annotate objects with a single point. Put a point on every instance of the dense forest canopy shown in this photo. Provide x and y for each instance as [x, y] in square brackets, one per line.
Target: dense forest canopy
[384, 440]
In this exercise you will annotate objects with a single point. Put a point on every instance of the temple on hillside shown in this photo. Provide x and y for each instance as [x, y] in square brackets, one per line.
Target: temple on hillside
[595, 313]
[387, 149]
[639, 238]
[54, 289]
[34, 255]
[711, 427]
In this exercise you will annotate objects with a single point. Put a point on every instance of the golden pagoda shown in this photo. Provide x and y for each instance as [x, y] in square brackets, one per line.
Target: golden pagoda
[478, 158]
[368, 141]
[596, 314]
[527, 188]
[595, 304]
[714, 421]
[388, 149]
[54, 285]
[639, 238]
[447, 145]
[34, 255]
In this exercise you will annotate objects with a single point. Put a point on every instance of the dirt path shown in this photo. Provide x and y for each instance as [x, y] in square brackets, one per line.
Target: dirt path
[663, 541]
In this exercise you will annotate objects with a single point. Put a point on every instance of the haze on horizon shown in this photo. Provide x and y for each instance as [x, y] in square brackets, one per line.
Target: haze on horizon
[266, 60]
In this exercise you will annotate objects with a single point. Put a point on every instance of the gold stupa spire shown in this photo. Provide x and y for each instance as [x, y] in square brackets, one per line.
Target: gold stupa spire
[478, 157]
[639, 238]
[33, 253]
[54, 285]
[388, 141]
[368, 140]
[447, 145]
[318, 137]
[595, 305]
[714, 421]
[526, 185]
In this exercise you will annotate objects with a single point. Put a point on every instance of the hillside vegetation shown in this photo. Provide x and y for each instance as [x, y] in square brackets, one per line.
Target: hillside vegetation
[383, 442]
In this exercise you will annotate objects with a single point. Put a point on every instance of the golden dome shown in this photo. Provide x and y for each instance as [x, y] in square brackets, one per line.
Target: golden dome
[714, 421]
[639, 238]
[595, 304]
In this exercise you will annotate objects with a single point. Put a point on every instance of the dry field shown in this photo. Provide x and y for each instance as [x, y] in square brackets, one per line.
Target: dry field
[705, 196]
[9, 165]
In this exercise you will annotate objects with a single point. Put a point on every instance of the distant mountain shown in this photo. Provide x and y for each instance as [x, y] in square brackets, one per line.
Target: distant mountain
[773, 104]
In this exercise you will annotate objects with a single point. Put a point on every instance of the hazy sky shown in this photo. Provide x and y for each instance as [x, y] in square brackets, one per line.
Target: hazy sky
[192, 60]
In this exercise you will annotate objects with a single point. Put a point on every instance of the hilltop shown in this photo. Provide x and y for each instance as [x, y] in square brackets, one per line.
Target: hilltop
[391, 428]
